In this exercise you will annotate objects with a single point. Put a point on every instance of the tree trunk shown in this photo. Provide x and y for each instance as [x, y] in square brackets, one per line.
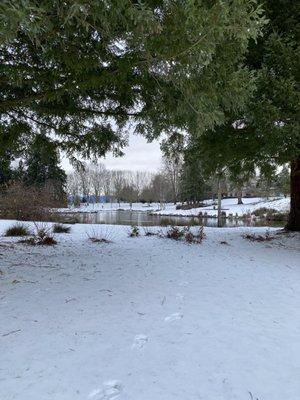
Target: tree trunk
[294, 217]
[240, 201]
[219, 204]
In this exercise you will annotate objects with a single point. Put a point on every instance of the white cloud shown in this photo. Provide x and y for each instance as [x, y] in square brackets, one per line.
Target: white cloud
[139, 155]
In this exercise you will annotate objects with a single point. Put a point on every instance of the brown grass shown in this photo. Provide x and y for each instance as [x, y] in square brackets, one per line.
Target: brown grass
[17, 230]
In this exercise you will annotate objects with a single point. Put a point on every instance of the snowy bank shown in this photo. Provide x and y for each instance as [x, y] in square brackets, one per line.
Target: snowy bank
[95, 207]
[148, 318]
[229, 206]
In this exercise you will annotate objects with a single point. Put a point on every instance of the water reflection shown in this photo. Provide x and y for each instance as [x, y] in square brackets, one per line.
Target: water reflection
[142, 218]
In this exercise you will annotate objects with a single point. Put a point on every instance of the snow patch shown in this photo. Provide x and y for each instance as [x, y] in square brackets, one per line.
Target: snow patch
[110, 390]
[173, 317]
[139, 341]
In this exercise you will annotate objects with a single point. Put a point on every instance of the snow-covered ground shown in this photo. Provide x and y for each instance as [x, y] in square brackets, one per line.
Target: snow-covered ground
[149, 318]
[229, 206]
[93, 207]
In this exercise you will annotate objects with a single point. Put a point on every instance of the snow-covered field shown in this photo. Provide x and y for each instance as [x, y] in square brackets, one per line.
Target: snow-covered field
[149, 318]
[230, 206]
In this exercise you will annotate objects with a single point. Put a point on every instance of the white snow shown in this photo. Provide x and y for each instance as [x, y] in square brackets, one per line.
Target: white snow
[150, 318]
[94, 207]
[230, 206]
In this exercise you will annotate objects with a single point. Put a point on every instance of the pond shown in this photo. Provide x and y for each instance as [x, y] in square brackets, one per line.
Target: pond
[143, 218]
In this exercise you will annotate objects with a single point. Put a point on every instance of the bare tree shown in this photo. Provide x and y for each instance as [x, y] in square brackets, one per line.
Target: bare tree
[85, 180]
[161, 188]
[172, 167]
[129, 194]
[123, 185]
[73, 184]
[107, 183]
[97, 173]
[118, 183]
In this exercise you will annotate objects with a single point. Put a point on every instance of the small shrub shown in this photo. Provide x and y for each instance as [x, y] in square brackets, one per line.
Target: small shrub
[176, 233]
[99, 236]
[17, 230]
[185, 233]
[149, 232]
[189, 237]
[259, 238]
[134, 232]
[60, 228]
[36, 241]
[199, 235]
[41, 237]
[48, 241]
[261, 212]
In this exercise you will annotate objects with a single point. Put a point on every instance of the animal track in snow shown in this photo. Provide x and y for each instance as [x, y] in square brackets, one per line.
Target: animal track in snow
[173, 317]
[139, 341]
[110, 390]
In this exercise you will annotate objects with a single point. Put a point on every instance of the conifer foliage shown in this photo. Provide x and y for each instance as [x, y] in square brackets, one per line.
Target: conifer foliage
[82, 70]
[43, 168]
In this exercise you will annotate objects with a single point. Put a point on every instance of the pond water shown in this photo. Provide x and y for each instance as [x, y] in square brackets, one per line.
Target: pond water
[143, 218]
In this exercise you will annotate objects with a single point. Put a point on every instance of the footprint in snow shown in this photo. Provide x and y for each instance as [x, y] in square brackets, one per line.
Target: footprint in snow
[180, 296]
[228, 390]
[184, 283]
[173, 317]
[110, 390]
[139, 341]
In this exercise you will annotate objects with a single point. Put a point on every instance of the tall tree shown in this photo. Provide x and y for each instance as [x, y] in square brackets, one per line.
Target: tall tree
[274, 112]
[97, 173]
[173, 162]
[193, 186]
[267, 132]
[11, 146]
[43, 167]
[83, 69]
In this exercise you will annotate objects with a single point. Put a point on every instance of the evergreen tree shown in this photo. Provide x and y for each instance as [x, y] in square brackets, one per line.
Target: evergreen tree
[273, 115]
[11, 147]
[83, 69]
[5, 169]
[43, 167]
[283, 181]
[266, 133]
[193, 186]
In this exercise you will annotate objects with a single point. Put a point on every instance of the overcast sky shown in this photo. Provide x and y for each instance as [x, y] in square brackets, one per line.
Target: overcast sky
[139, 155]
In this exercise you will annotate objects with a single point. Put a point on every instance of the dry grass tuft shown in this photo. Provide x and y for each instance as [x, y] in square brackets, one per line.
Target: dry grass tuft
[17, 230]
[99, 235]
[259, 238]
[60, 228]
